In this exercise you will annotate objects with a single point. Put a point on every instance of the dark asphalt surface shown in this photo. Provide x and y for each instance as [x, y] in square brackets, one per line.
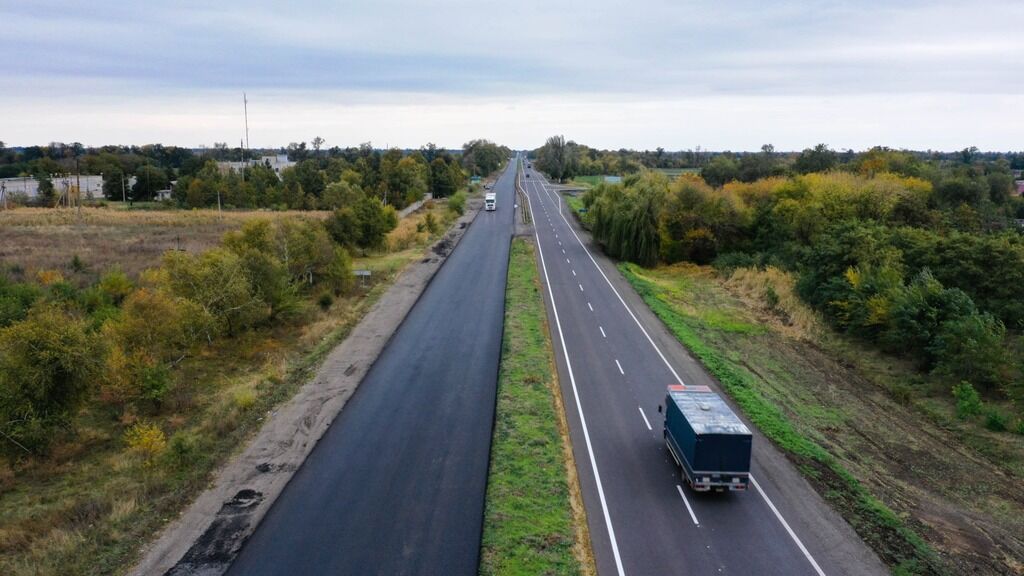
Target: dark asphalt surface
[396, 485]
[636, 502]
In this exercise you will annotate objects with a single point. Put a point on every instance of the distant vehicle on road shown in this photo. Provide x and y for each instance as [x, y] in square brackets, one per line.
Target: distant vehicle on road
[527, 174]
[490, 201]
[706, 438]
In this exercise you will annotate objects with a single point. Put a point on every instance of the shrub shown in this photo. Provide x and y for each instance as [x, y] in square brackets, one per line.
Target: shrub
[146, 441]
[995, 421]
[338, 275]
[48, 365]
[218, 283]
[116, 285]
[968, 403]
[364, 224]
[48, 277]
[325, 301]
[15, 301]
[77, 265]
[431, 223]
[457, 202]
[971, 348]
[245, 399]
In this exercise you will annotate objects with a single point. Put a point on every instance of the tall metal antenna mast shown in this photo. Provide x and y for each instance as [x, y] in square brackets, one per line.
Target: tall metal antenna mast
[245, 103]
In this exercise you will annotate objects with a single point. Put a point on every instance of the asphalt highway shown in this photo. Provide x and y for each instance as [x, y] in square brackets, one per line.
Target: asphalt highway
[615, 360]
[397, 483]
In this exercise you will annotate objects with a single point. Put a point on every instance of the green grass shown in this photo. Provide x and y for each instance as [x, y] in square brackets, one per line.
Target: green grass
[896, 543]
[574, 202]
[529, 527]
[675, 172]
[587, 180]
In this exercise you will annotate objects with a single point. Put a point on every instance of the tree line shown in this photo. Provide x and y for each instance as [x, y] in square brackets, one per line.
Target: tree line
[565, 159]
[394, 176]
[922, 258]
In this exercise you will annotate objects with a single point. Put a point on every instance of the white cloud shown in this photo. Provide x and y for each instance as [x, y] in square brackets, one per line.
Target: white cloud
[658, 72]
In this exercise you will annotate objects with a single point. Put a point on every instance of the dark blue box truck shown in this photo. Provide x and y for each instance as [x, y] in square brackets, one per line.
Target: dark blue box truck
[708, 441]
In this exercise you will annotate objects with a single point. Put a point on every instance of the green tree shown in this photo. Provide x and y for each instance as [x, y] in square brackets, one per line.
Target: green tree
[720, 170]
[48, 367]
[218, 282]
[363, 225]
[148, 181]
[45, 189]
[971, 348]
[818, 159]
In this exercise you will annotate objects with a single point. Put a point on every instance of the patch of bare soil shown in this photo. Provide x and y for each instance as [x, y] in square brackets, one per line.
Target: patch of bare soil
[967, 508]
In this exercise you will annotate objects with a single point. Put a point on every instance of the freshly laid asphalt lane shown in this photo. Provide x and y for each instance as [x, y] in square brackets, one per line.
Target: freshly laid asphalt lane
[396, 485]
[614, 365]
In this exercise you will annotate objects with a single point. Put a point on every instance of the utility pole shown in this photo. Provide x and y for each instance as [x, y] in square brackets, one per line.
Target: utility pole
[245, 151]
[78, 187]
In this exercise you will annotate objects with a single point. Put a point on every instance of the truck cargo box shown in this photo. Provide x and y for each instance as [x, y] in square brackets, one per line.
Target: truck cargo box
[706, 438]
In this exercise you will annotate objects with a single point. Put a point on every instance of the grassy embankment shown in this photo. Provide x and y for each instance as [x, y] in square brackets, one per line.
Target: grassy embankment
[86, 507]
[534, 522]
[923, 501]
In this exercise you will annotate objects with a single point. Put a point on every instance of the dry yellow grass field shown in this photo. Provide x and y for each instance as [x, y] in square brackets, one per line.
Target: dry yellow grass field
[34, 239]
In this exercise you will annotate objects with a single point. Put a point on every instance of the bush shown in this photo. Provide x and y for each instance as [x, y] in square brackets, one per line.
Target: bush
[995, 421]
[431, 223]
[218, 283]
[364, 224]
[325, 301]
[48, 366]
[146, 441]
[15, 301]
[971, 348]
[968, 403]
[116, 285]
[457, 202]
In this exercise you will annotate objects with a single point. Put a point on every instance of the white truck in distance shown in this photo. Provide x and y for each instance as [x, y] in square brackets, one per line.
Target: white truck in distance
[490, 201]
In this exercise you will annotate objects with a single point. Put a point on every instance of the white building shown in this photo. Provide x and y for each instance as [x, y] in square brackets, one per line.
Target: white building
[277, 163]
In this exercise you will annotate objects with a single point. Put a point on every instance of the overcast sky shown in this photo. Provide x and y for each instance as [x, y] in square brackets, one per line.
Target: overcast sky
[720, 74]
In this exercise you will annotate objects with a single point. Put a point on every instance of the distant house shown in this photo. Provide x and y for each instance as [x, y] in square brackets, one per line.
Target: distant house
[613, 179]
[1020, 187]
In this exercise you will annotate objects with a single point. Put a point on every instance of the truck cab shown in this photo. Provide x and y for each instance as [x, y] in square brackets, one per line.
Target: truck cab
[711, 445]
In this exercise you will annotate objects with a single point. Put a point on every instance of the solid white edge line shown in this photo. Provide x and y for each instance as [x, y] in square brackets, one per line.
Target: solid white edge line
[778, 514]
[624, 305]
[646, 421]
[786, 526]
[621, 371]
[579, 407]
[687, 502]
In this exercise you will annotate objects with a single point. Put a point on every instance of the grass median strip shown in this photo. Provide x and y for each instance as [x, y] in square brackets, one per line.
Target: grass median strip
[534, 521]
